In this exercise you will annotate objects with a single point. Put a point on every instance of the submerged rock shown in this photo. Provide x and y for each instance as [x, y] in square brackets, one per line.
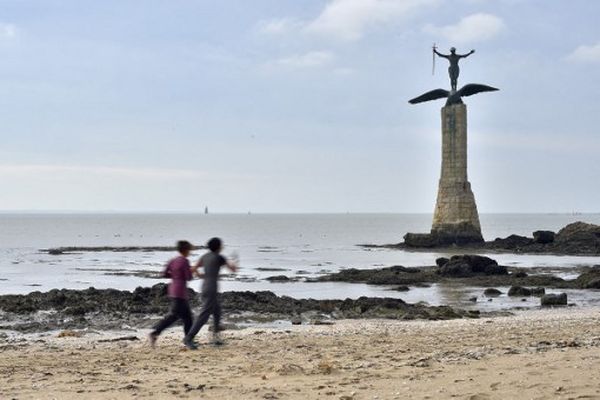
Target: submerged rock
[278, 278]
[554, 300]
[520, 291]
[491, 292]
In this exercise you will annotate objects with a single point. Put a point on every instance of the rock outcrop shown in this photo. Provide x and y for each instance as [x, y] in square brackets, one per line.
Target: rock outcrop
[578, 238]
[469, 265]
[554, 300]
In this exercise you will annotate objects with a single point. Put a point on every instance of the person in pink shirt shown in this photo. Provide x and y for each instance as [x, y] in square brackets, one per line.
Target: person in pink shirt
[178, 269]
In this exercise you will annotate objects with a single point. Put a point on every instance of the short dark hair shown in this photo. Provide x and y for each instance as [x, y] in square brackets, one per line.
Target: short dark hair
[214, 244]
[183, 246]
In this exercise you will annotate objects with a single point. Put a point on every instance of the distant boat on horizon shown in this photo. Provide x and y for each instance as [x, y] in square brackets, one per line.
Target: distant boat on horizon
[205, 210]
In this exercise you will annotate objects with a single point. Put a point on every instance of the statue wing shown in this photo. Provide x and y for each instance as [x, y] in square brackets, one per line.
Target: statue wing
[431, 95]
[474, 88]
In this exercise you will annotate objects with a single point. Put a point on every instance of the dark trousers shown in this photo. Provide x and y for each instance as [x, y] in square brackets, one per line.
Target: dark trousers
[180, 309]
[210, 305]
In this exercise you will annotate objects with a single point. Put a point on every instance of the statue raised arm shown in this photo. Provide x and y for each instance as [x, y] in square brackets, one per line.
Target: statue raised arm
[440, 54]
[466, 55]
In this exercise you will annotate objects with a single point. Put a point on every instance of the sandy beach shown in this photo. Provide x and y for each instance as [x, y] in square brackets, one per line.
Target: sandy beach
[532, 355]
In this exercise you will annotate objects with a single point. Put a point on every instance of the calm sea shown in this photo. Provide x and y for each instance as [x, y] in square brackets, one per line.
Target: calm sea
[299, 245]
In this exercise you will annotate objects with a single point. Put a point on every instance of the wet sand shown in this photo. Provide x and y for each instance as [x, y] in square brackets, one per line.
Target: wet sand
[533, 355]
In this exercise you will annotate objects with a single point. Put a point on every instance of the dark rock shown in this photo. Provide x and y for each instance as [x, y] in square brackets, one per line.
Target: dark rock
[278, 278]
[543, 237]
[590, 279]
[491, 292]
[420, 240]
[593, 284]
[478, 263]
[495, 269]
[440, 262]
[469, 265]
[75, 311]
[538, 291]
[456, 269]
[396, 275]
[520, 274]
[400, 268]
[422, 285]
[513, 242]
[473, 299]
[519, 291]
[579, 232]
[402, 288]
[554, 300]
[270, 269]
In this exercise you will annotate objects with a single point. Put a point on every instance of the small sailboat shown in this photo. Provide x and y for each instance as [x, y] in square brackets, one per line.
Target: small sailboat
[205, 210]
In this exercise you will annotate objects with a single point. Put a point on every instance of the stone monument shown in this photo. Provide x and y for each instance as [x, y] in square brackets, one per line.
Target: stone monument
[455, 220]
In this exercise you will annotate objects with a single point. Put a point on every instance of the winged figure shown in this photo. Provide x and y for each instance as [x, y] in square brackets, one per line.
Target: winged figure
[454, 96]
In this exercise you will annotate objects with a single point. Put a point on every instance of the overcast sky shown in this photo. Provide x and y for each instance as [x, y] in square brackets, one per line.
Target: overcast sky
[293, 106]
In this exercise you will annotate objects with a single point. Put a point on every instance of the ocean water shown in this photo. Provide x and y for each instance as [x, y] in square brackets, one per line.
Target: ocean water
[299, 245]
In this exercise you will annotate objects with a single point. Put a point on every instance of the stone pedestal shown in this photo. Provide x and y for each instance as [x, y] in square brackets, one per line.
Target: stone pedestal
[455, 220]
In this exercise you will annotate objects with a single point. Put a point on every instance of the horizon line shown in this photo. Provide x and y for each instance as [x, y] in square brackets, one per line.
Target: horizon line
[202, 212]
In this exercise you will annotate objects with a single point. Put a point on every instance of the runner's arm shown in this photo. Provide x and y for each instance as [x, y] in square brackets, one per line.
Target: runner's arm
[195, 269]
[232, 265]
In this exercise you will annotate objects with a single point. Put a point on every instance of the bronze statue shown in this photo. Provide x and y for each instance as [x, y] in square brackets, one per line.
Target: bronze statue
[453, 58]
[453, 96]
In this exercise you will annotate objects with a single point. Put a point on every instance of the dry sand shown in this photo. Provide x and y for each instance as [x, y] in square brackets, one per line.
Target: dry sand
[549, 354]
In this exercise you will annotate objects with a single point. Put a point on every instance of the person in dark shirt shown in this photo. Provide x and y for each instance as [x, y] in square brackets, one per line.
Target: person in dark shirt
[212, 263]
[178, 269]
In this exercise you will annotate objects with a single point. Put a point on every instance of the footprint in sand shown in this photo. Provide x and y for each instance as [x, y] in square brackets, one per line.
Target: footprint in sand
[479, 396]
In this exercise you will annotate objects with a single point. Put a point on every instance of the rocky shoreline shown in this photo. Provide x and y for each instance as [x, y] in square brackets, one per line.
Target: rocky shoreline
[458, 271]
[474, 271]
[116, 249]
[113, 309]
[578, 238]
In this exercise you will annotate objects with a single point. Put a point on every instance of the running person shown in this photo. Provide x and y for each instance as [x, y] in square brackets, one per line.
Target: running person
[212, 263]
[178, 269]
